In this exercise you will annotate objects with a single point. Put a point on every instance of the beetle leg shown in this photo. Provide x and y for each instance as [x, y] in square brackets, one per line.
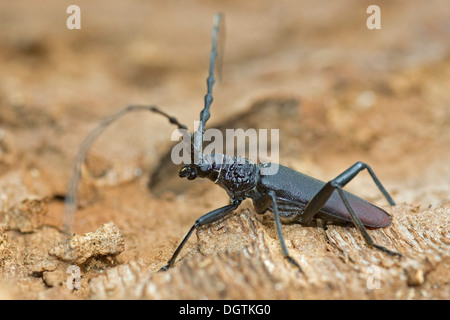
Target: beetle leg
[261, 205]
[341, 180]
[319, 200]
[351, 172]
[360, 226]
[210, 217]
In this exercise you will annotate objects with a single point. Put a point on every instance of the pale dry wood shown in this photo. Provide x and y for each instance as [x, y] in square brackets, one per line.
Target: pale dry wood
[240, 258]
[107, 240]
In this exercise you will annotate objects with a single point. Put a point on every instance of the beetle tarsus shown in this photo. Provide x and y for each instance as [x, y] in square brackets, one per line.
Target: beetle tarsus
[293, 262]
[386, 250]
[164, 269]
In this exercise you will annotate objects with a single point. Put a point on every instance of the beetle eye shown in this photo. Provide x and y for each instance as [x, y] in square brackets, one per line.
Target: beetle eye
[184, 172]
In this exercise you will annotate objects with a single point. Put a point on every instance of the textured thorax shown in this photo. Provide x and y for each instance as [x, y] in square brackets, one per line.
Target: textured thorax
[236, 175]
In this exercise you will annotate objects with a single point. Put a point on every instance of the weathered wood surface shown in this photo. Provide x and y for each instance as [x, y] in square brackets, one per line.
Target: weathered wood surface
[240, 258]
[338, 92]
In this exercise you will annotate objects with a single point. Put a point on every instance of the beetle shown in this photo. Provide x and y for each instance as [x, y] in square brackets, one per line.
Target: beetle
[290, 195]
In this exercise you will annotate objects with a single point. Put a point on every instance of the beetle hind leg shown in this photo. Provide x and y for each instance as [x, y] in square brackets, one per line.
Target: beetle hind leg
[320, 199]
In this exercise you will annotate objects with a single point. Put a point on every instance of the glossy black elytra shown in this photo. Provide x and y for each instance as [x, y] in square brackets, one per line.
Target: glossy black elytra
[288, 194]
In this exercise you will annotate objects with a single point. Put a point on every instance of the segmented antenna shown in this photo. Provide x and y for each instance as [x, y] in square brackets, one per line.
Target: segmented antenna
[71, 201]
[205, 114]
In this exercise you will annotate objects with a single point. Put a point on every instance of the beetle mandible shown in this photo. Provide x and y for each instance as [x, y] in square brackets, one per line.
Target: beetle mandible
[288, 194]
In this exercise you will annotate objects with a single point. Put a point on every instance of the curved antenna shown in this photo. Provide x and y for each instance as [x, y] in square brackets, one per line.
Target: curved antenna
[71, 200]
[197, 141]
[197, 144]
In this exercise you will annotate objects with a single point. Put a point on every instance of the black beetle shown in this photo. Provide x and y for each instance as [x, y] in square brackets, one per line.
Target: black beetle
[288, 194]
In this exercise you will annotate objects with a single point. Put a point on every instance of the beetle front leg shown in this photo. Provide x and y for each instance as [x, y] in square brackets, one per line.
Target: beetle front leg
[208, 218]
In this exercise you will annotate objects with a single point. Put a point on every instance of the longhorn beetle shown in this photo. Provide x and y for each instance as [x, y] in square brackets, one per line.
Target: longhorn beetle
[288, 194]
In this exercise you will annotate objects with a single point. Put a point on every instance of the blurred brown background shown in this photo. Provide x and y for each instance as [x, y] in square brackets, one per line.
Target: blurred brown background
[337, 91]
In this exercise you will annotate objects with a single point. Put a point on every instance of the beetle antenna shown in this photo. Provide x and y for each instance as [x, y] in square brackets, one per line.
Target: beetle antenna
[197, 146]
[72, 190]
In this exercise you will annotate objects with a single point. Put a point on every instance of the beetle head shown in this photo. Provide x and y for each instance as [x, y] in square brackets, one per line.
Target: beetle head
[188, 171]
[192, 171]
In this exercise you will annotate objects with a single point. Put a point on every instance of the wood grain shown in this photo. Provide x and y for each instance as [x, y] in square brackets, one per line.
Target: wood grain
[239, 258]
